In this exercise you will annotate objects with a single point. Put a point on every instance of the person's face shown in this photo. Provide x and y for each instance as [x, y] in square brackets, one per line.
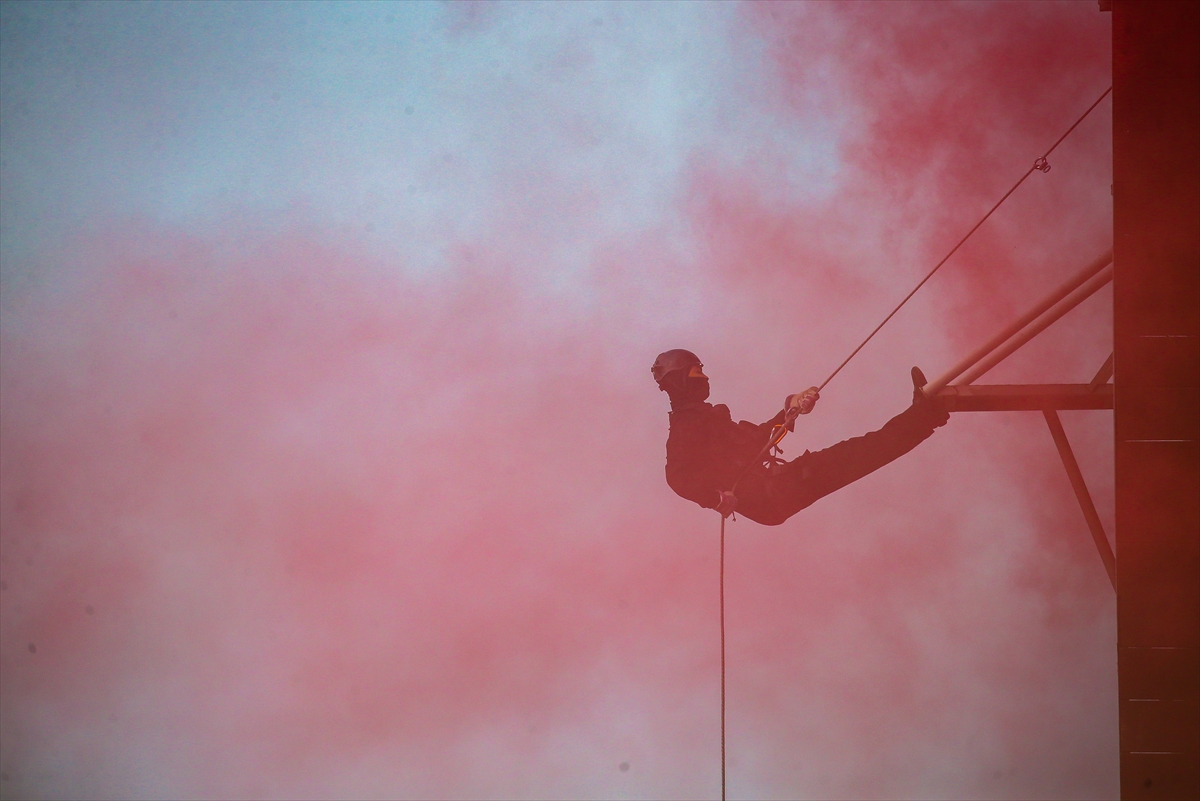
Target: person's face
[697, 383]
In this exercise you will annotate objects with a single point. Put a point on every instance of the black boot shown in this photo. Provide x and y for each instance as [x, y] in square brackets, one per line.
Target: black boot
[931, 408]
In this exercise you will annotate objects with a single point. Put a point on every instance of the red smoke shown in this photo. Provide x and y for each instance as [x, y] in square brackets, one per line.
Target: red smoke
[345, 532]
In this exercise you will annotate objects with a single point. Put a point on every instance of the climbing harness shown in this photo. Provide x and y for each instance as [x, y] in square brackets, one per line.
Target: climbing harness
[767, 454]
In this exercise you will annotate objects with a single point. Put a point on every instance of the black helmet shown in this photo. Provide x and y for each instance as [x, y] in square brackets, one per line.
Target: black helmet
[673, 360]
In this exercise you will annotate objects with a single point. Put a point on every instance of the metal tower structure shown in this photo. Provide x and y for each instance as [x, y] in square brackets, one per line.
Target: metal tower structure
[1156, 332]
[1155, 395]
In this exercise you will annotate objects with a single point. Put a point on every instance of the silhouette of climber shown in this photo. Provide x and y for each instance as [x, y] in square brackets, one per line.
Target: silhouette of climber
[707, 451]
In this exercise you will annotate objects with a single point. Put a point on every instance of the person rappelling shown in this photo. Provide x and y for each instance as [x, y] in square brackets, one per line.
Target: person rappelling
[728, 466]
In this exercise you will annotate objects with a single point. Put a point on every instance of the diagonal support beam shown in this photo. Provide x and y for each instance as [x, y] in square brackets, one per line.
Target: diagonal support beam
[1081, 492]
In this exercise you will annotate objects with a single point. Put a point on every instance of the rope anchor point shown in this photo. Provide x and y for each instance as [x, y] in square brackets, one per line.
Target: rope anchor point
[1042, 165]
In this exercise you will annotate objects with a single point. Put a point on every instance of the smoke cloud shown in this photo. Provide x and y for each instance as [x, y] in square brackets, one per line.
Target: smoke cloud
[331, 465]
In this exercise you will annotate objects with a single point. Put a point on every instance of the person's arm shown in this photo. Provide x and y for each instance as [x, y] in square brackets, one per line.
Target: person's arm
[688, 478]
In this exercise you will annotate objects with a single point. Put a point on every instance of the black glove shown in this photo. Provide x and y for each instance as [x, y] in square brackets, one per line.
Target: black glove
[728, 504]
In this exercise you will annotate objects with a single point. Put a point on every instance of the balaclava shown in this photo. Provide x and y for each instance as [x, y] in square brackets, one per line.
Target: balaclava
[684, 389]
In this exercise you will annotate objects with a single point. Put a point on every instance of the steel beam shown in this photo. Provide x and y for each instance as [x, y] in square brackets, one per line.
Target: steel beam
[1024, 397]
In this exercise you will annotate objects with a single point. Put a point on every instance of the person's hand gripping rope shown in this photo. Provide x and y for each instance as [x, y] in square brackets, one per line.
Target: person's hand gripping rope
[800, 403]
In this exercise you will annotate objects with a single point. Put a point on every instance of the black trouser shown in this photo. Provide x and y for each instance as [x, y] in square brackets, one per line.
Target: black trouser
[770, 498]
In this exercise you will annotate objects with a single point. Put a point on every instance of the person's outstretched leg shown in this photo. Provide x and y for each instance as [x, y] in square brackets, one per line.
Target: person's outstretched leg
[812, 476]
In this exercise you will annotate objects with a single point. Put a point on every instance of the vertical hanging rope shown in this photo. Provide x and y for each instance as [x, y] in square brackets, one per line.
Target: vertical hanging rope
[722, 659]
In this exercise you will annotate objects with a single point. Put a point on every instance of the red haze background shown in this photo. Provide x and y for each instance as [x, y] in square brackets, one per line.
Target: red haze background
[331, 465]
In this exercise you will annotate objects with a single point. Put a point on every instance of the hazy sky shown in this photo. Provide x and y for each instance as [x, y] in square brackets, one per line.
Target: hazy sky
[330, 462]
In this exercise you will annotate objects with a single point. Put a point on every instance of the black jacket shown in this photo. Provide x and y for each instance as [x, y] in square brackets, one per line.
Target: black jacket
[706, 450]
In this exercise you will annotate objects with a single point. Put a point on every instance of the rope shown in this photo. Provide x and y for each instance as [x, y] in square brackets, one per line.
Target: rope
[722, 659]
[1041, 165]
